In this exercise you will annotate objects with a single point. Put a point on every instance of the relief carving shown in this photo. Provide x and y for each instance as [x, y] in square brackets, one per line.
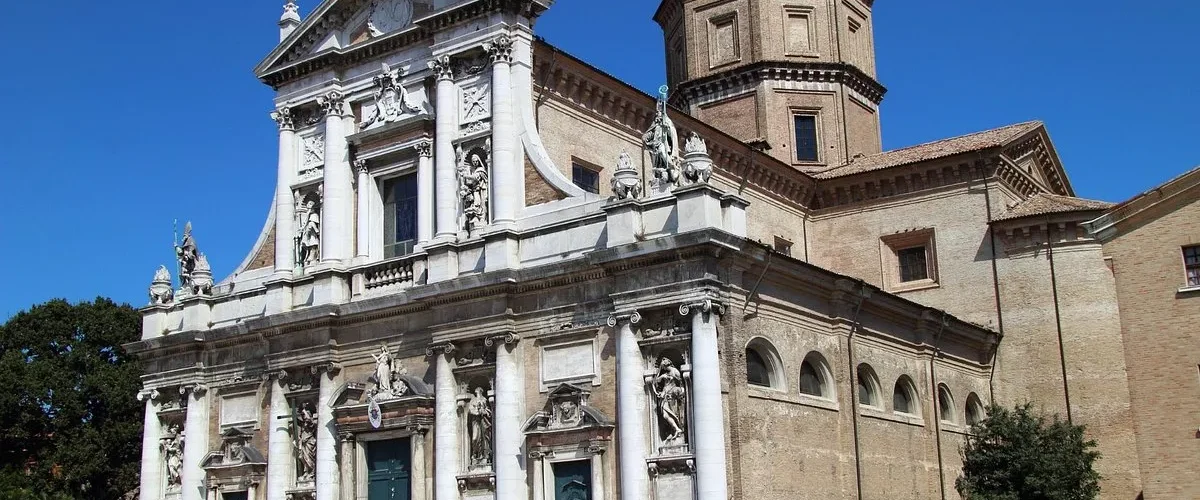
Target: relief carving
[391, 99]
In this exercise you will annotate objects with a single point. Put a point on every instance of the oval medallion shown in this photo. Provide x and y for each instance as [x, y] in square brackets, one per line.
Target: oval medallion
[374, 414]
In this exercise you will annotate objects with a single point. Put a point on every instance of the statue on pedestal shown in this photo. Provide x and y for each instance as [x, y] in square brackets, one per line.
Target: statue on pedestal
[662, 142]
[188, 255]
[389, 382]
[479, 425]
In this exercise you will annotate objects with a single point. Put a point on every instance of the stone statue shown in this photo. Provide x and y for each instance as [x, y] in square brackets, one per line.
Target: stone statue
[308, 238]
[672, 399]
[202, 278]
[305, 441]
[172, 448]
[188, 254]
[473, 186]
[383, 370]
[626, 182]
[479, 425]
[662, 142]
[391, 99]
[161, 291]
[697, 165]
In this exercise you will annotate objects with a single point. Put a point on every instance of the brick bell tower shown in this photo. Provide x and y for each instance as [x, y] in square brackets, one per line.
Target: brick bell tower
[797, 74]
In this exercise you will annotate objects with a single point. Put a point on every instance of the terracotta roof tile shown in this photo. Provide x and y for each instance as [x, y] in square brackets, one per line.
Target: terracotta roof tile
[931, 150]
[1045, 203]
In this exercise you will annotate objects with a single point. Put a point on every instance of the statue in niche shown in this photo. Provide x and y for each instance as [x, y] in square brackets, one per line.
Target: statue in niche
[305, 442]
[391, 99]
[172, 449]
[308, 237]
[662, 142]
[479, 426]
[473, 185]
[672, 399]
[188, 256]
[160, 288]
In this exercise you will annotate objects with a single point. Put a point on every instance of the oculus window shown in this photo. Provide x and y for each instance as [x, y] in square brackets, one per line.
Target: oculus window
[399, 215]
[806, 137]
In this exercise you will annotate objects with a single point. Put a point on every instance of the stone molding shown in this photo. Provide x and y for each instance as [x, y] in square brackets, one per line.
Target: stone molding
[843, 73]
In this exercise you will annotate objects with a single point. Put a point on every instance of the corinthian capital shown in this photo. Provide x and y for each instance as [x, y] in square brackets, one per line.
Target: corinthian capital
[332, 103]
[283, 117]
[424, 148]
[441, 67]
[500, 49]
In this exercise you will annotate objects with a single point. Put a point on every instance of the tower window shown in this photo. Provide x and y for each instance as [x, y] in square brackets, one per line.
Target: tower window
[913, 264]
[587, 178]
[1191, 263]
[806, 137]
[399, 215]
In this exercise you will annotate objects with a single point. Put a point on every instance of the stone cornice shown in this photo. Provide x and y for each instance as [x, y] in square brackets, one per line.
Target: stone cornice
[1162, 199]
[897, 181]
[275, 73]
[751, 73]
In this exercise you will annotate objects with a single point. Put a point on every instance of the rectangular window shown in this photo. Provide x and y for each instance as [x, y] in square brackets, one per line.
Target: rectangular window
[1191, 264]
[233, 495]
[783, 246]
[572, 480]
[399, 215]
[586, 178]
[913, 264]
[723, 39]
[806, 137]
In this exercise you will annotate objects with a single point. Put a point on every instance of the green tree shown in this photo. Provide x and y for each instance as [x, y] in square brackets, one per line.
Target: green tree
[70, 422]
[1018, 455]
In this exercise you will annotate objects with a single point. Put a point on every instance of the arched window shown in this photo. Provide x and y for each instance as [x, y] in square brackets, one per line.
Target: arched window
[868, 386]
[946, 405]
[763, 368]
[815, 377]
[975, 411]
[904, 396]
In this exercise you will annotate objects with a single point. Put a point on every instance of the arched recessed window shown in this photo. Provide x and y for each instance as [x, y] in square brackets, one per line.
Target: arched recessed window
[868, 386]
[975, 411]
[763, 368]
[946, 404]
[815, 377]
[904, 396]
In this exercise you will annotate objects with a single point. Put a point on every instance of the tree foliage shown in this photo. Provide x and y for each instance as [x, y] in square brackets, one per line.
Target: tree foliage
[70, 422]
[1019, 455]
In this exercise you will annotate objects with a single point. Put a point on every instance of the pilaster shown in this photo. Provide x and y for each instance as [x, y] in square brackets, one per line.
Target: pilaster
[363, 242]
[328, 477]
[425, 190]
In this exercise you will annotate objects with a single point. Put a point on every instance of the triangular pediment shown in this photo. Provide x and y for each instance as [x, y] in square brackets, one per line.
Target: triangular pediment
[338, 25]
[1034, 156]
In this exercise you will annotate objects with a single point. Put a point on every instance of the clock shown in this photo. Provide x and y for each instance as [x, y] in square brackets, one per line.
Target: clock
[390, 15]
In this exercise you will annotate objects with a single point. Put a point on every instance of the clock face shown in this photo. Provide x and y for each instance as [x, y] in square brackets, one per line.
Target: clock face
[391, 15]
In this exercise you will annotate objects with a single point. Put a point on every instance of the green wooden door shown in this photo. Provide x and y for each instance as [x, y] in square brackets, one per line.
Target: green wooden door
[388, 470]
[573, 480]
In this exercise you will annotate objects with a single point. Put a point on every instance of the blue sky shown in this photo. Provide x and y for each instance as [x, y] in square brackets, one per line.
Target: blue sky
[122, 117]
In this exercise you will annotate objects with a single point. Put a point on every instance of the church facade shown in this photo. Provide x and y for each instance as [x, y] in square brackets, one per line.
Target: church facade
[494, 271]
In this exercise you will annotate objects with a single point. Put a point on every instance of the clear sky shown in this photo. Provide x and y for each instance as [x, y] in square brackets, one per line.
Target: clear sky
[122, 117]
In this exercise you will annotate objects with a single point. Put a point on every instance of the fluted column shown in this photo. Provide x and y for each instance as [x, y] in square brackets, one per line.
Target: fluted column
[446, 178]
[707, 409]
[337, 184]
[508, 439]
[631, 408]
[505, 174]
[327, 477]
[364, 209]
[285, 207]
[445, 427]
[195, 443]
[152, 460]
[280, 461]
[425, 189]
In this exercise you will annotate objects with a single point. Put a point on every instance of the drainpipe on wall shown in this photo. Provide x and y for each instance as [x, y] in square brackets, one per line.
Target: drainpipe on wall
[1062, 357]
[937, 417]
[863, 294]
[987, 201]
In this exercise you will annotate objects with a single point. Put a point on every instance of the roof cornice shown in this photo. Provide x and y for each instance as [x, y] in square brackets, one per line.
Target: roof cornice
[751, 73]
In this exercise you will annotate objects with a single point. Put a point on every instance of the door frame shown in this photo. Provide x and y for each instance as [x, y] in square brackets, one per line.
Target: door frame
[418, 482]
